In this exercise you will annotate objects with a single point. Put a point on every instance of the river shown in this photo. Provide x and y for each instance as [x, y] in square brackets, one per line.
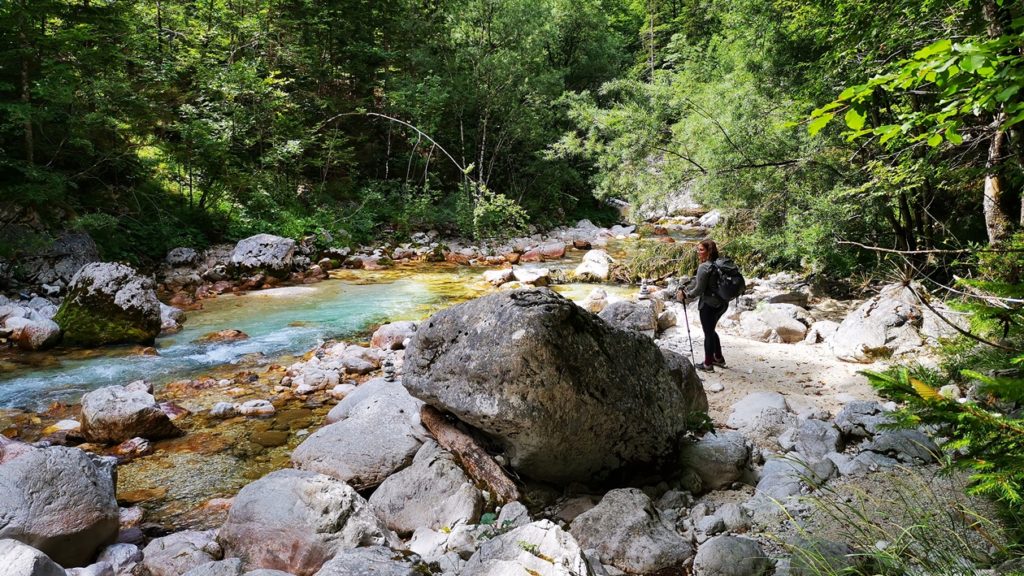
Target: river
[215, 458]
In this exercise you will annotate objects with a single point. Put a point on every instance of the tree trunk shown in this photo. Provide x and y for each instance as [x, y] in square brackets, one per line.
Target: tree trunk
[159, 33]
[475, 461]
[26, 95]
[650, 41]
[997, 220]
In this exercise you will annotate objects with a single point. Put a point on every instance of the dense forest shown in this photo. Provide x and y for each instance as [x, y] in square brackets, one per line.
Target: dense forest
[153, 124]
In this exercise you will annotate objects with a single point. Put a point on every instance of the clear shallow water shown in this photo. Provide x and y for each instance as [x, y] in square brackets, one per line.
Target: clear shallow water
[279, 322]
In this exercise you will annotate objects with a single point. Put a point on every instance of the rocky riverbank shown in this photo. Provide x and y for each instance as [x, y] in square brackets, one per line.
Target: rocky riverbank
[573, 444]
[708, 504]
[55, 298]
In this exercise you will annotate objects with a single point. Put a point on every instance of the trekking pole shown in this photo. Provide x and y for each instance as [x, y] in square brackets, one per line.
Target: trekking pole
[686, 320]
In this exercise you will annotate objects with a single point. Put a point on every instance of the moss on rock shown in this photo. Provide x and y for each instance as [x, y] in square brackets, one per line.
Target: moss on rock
[109, 304]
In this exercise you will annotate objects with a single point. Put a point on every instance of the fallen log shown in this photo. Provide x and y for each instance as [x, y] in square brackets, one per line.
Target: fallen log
[477, 463]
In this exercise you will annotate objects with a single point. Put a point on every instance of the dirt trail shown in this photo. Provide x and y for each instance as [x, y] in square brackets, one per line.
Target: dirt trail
[808, 375]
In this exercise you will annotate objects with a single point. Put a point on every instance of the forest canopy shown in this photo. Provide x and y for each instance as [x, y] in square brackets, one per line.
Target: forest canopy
[815, 125]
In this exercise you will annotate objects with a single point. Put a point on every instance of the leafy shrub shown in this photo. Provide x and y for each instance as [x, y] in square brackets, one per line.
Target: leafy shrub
[656, 260]
[985, 431]
[141, 239]
[496, 216]
[982, 438]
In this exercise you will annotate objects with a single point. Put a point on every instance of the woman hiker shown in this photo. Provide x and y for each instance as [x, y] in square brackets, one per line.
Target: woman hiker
[709, 305]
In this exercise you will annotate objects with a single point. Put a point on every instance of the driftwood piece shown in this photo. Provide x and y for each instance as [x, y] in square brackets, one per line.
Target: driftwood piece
[477, 463]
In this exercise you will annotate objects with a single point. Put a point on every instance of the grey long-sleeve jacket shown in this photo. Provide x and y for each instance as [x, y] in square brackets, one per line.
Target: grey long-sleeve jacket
[701, 287]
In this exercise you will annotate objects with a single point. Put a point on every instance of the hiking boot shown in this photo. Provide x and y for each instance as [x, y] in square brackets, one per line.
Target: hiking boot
[720, 362]
[705, 367]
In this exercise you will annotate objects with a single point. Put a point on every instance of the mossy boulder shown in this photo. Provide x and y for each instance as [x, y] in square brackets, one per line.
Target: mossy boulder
[109, 303]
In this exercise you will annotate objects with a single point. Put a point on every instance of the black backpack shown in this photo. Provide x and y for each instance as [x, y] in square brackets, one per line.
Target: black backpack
[730, 281]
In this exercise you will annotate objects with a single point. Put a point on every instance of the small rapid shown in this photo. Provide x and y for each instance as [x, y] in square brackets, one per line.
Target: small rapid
[280, 322]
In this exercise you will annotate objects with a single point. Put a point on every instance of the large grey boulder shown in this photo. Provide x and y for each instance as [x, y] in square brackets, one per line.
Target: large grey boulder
[909, 446]
[596, 267]
[376, 395]
[730, 556]
[59, 501]
[122, 557]
[540, 548]
[182, 256]
[785, 477]
[628, 315]
[718, 459]
[762, 417]
[119, 413]
[821, 331]
[376, 433]
[181, 552]
[814, 439]
[864, 463]
[392, 336]
[109, 303]
[745, 413]
[372, 561]
[59, 263]
[567, 396]
[434, 492]
[775, 323]
[264, 253]
[627, 531]
[171, 319]
[20, 559]
[295, 521]
[892, 323]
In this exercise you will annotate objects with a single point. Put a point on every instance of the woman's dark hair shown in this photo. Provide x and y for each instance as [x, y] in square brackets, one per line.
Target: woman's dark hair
[712, 249]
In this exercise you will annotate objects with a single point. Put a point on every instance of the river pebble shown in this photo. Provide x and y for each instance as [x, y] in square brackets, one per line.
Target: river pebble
[256, 408]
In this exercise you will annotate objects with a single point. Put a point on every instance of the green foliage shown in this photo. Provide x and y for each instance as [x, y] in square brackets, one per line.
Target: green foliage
[655, 260]
[934, 102]
[141, 238]
[986, 434]
[251, 114]
[714, 119]
[495, 216]
[969, 77]
[921, 524]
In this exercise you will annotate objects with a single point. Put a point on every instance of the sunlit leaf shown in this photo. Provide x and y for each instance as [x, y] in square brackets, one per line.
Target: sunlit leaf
[925, 391]
[818, 123]
[854, 119]
[888, 132]
[943, 45]
[972, 62]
